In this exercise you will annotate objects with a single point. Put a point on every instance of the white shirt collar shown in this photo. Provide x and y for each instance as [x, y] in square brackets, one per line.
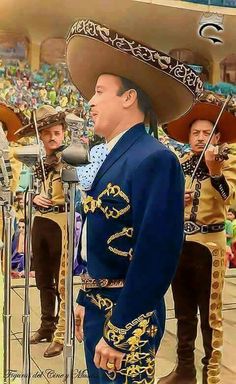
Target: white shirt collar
[110, 145]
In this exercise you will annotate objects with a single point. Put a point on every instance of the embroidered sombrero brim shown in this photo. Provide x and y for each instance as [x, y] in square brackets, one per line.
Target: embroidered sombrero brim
[179, 129]
[13, 120]
[93, 49]
[47, 122]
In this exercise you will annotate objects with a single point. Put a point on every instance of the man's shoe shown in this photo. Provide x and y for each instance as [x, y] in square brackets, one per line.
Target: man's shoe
[54, 349]
[178, 378]
[40, 336]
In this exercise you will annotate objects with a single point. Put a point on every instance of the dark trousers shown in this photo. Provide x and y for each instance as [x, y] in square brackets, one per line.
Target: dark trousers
[192, 290]
[138, 366]
[46, 247]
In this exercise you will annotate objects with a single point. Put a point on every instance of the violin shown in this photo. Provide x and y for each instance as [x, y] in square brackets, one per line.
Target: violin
[223, 153]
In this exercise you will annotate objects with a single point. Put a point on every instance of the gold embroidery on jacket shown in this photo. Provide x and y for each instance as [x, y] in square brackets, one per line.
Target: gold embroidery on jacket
[125, 232]
[136, 361]
[116, 335]
[90, 204]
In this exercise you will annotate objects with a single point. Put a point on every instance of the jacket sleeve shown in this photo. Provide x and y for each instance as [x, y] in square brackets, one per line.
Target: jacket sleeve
[226, 184]
[158, 216]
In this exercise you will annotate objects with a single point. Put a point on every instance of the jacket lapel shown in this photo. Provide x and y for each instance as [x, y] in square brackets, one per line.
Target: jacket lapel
[125, 142]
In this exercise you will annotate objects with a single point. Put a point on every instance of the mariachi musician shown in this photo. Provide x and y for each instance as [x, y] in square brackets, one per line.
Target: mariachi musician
[49, 231]
[130, 259]
[198, 283]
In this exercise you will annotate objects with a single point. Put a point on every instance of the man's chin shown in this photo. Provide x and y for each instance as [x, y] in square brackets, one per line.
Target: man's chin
[197, 151]
[98, 130]
[54, 146]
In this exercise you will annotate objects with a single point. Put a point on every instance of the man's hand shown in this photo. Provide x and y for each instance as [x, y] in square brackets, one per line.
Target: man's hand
[188, 197]
[214, 166]
[104, 354]
[42, 201]
[79, 321]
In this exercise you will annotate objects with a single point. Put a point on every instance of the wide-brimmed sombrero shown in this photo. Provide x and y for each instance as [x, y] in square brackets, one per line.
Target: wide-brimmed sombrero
[13, 120]
[207, 108]
[46, 117]
[94, 49]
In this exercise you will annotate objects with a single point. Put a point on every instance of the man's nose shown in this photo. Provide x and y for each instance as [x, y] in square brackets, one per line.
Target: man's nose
[201, 137]
[91, 102]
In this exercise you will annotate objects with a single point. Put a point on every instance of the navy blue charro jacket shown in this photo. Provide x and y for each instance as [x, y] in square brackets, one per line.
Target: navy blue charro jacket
[135, 212]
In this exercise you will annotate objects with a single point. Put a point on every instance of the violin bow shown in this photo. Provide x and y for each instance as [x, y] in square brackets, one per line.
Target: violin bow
[40, 152]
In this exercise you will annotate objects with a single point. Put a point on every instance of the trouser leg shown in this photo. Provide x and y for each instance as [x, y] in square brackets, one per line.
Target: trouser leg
[185, 303]
[59, 334]
[46, 247]
[210, 305]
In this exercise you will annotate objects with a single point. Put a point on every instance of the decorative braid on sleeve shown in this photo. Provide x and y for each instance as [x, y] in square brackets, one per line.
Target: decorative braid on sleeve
[221, 185]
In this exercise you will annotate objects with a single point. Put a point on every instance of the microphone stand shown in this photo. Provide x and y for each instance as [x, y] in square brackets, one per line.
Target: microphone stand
[28, 155]
[74, 155]
[6, 202]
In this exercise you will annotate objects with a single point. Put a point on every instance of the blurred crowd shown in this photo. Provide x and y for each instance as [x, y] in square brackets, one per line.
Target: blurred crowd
[27, 90]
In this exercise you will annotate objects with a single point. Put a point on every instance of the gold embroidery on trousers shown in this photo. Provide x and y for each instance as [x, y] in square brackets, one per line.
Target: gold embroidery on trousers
[90, 204]
[101, 302]
[125, 232]
[215, 315]
[141, 363]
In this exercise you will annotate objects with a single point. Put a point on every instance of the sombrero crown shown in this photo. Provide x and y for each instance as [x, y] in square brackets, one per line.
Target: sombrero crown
[207, 108]
[46, 117]
[93, 49]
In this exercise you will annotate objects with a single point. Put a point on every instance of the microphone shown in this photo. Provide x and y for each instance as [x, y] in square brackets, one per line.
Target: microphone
[77, 153]
[28, 154]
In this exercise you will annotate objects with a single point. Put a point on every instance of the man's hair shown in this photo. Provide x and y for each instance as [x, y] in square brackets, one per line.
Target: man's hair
[144, 102]
[233, 211]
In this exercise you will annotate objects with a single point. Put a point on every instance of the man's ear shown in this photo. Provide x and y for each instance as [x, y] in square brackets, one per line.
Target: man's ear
[130, 97]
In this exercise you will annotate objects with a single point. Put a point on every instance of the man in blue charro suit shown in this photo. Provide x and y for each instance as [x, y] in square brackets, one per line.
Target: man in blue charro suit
[135, 201]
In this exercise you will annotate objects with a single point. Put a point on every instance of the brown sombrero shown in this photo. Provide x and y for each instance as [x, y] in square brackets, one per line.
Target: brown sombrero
[208, 108]
[13, 120]
[46, 117]
[94, 49]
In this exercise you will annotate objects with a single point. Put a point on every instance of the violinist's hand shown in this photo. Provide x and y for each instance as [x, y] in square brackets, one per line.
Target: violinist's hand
[42, 201]
[214, 166]
[188, 197]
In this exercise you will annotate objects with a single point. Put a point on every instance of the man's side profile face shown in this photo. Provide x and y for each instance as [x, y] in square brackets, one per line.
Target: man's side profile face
[199, 134]
[106, 105]
[52, 137]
